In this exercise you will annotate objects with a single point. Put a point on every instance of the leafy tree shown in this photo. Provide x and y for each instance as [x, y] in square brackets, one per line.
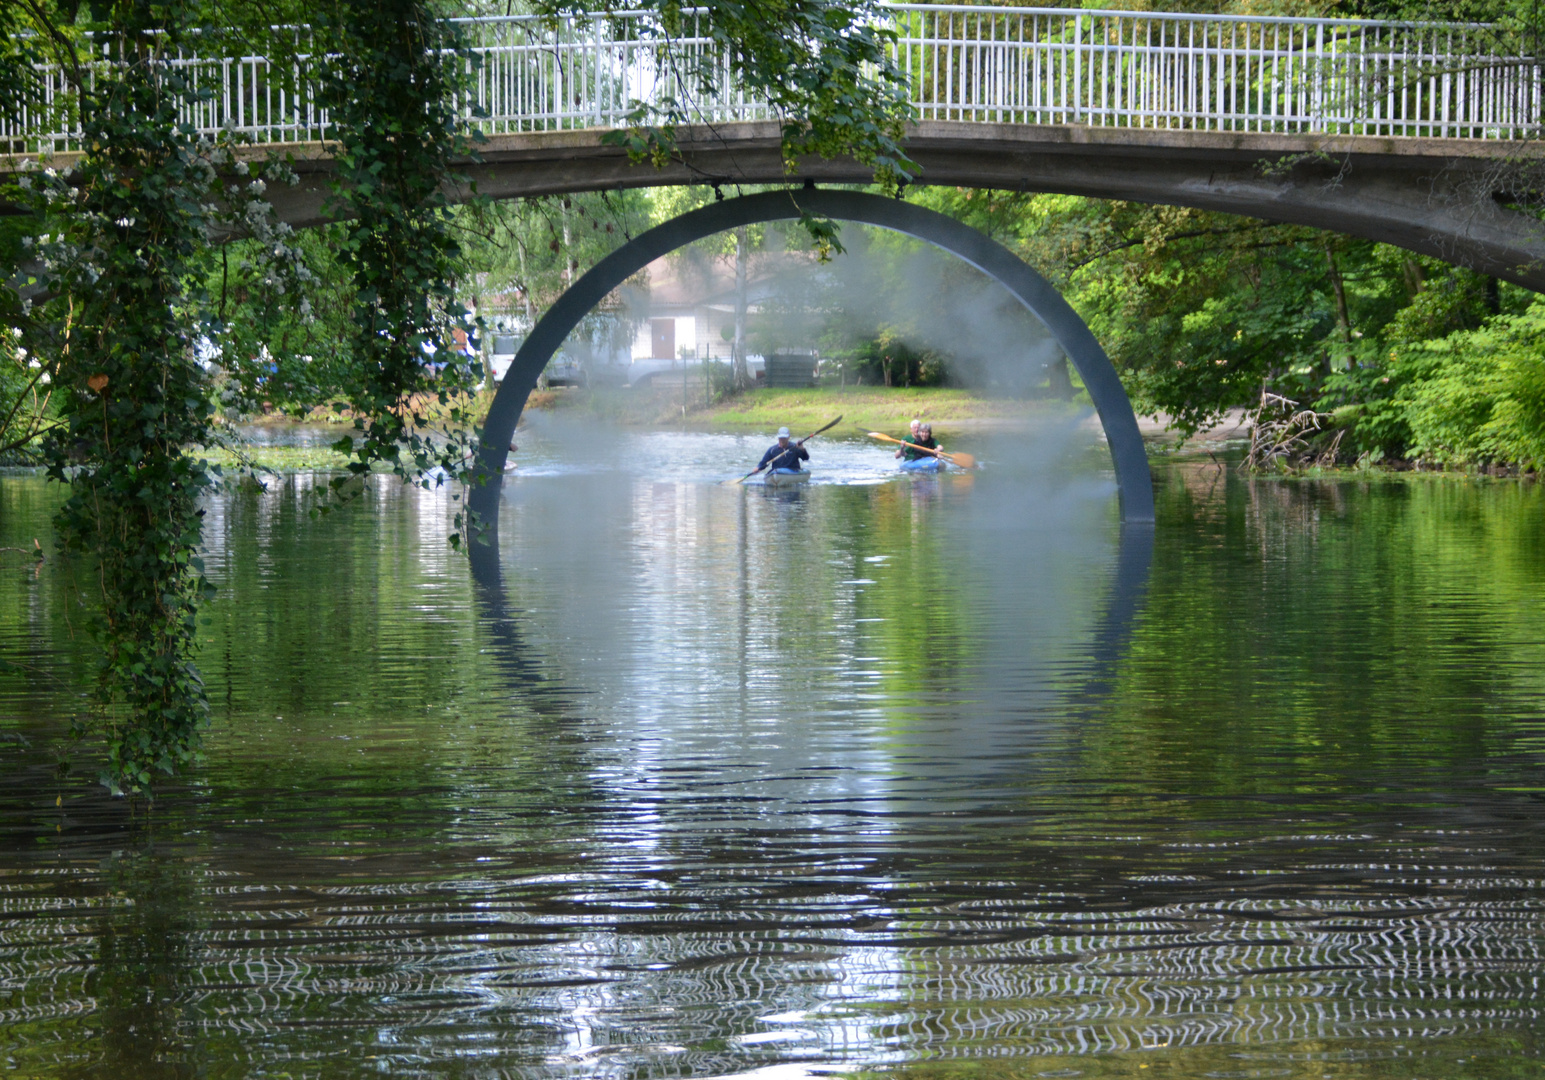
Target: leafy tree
[123, 228]
[533, 249]
[126, 255]
[823, 66]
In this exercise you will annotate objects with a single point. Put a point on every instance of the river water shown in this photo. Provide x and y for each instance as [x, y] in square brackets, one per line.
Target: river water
[937, 776]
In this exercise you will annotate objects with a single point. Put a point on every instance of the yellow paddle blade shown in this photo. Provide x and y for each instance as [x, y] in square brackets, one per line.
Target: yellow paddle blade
[965, 461]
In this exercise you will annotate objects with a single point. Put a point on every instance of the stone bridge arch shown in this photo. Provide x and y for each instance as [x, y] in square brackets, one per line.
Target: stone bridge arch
[1128, 454]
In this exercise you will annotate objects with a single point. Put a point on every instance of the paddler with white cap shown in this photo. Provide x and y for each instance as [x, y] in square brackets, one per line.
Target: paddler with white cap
[784, 454]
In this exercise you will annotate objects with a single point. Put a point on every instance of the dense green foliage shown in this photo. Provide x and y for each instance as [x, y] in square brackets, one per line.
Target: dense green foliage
[123, 230]
[125, 295]
[391, 90]
[1402, 356]
[823, 66]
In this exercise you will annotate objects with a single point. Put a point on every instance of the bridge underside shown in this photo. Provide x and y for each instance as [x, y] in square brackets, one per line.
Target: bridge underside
[1446, 198]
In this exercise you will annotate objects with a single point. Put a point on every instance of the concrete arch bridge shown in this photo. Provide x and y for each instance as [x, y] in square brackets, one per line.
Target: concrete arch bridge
[1425, 136]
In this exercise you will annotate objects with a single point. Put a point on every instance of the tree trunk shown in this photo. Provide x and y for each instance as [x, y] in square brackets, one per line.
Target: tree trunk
[525, 296]
[569, 264]
[1059, 383]
[1343, 320]
[742, 375]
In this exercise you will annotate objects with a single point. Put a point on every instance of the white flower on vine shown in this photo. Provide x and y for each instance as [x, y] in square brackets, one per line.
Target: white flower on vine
[257, 187]
[242, 168]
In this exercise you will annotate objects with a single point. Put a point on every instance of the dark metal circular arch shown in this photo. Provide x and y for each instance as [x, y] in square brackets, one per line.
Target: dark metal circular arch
[987, 255]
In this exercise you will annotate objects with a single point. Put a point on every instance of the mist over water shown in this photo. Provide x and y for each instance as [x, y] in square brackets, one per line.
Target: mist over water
[933, 300]
[884, 287]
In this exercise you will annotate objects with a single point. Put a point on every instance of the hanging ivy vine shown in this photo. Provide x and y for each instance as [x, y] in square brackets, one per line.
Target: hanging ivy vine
[123, 244]
[120, 235]
[392, 89]
[123, 227]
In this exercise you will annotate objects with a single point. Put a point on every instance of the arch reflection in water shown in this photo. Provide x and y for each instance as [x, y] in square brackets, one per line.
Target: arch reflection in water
[713, 612]
[785, 680]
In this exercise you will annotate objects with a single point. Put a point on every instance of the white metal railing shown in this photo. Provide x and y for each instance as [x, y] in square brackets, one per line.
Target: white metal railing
[1216, 72]
[973, 63]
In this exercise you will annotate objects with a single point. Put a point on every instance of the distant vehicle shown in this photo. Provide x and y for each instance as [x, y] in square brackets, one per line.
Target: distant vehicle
[564, 370]
[502, 354]
[642, 370]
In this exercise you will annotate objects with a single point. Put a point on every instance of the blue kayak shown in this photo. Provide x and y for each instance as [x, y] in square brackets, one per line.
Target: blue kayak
[923, 465]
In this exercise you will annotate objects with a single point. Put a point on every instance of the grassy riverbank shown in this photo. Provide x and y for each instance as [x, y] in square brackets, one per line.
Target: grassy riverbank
[803, 410]
[277, 458]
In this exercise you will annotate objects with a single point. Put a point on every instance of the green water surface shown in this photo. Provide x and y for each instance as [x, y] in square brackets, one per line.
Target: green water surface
[938, 777]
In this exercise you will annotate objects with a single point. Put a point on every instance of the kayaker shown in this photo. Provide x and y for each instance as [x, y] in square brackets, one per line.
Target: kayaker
[784, 454]
[922, 436]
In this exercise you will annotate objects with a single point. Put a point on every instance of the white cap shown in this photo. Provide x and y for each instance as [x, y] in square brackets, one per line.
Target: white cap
[783, 433]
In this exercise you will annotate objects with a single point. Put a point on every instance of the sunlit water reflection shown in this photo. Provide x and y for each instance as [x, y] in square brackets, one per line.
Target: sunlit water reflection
[723, 779]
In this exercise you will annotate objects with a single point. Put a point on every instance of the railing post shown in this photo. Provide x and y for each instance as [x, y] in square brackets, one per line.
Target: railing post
[1078, 66]
[1317, 99]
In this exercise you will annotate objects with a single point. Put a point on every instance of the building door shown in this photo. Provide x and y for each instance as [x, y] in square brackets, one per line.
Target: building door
[662, 336]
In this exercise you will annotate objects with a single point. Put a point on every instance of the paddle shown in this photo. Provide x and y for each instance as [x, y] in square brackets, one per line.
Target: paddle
[773, 464]
[965, 461]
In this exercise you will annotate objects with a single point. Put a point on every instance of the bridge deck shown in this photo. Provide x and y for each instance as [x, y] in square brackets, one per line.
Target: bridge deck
[1410, 134]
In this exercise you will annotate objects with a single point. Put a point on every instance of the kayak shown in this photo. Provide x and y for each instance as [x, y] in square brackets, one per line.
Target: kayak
[785, 477]
[923, 465]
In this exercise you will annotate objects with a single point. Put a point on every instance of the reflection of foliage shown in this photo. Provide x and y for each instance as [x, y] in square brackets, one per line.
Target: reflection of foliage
[1370, 665]
[146, 950]
[923, 615]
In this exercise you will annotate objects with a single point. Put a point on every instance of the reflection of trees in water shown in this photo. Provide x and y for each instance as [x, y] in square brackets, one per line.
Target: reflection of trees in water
[147, 951]
[1365, 630]
[1195, 874]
